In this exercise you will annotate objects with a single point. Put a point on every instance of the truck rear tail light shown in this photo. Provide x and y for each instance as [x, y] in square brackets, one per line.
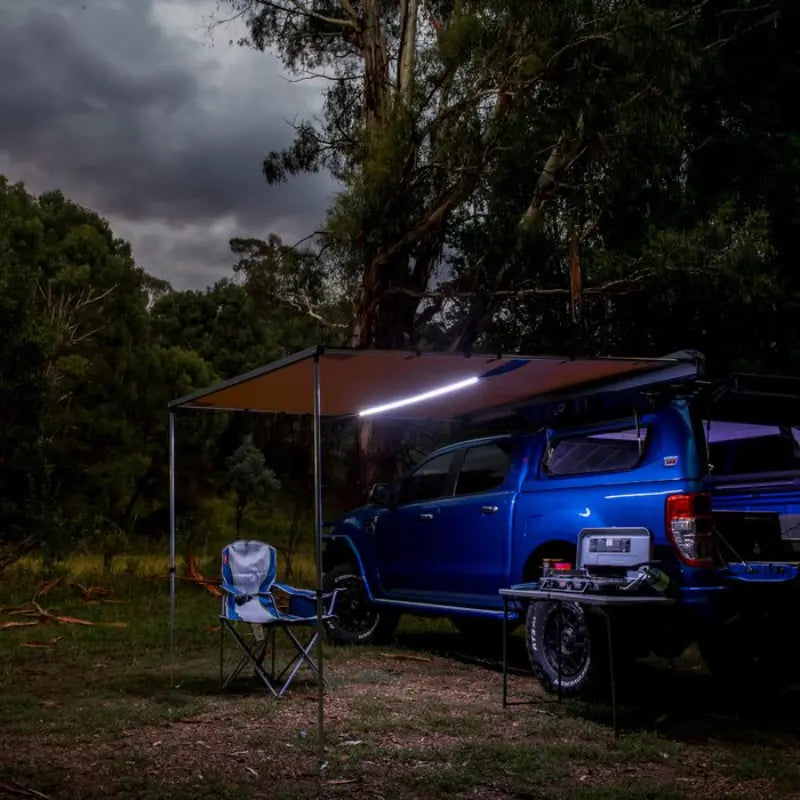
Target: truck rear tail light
[690, 528]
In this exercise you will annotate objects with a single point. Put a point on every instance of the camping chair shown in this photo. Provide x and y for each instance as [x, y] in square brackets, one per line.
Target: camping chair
[248, 587]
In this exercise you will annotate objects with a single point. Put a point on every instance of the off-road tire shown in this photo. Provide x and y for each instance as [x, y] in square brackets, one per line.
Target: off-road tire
[584, 648]
[357, 620]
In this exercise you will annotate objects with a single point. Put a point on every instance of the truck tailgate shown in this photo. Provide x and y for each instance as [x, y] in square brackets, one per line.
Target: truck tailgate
[758, 575]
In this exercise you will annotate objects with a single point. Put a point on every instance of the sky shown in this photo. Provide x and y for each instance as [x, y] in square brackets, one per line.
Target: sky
[135, 109]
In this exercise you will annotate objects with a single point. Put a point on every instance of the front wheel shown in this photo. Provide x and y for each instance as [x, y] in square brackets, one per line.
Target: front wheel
[567, 649]
[357, 620]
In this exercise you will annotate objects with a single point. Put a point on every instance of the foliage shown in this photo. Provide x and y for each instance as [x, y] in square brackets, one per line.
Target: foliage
[249, 477]
[24, 473]
[520, 172]
[92, 351]
[578, 176]
[228, 326]
[84, 386]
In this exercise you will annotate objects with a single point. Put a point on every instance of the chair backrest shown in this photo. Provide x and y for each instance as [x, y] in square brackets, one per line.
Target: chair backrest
[249, 566]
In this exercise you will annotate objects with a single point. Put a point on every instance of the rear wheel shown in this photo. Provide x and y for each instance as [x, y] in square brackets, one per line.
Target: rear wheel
[357, 620]
[567, 648]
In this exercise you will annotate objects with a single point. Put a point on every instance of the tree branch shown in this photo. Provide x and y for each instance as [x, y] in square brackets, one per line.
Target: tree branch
[304, 11]
[348, 9]
[303, 303]
[630, 283]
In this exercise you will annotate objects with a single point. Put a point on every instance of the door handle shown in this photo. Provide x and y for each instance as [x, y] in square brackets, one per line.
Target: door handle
[489, 509]
[426, 517]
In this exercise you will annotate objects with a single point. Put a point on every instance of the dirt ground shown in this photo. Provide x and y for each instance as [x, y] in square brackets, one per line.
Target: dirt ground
[99, 711]
[401, 724]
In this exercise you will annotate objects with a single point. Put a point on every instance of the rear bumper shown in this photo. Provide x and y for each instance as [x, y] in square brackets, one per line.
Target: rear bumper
[762, 574]
[738, 588]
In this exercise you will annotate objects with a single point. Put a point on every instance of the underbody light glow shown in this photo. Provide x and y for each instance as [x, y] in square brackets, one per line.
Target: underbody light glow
[418, 398]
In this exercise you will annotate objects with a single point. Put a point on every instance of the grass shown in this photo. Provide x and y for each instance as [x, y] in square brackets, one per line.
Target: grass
[93, 712]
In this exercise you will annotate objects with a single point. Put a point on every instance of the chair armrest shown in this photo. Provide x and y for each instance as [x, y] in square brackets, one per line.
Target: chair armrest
[226, 587]
[294, 592]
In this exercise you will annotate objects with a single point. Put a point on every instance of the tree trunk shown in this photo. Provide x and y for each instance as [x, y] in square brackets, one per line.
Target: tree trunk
[134, 498]
[375, 63]
[385, 321]
[557, 163]
[575, 278]
[408, 42]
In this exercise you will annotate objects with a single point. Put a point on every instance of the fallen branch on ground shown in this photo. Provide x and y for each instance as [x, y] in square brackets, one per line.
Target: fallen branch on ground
[42, 645]
[405, 657]
[91, 593]
[46, 587]
[44, 617]
[18, 790]
[194, 574]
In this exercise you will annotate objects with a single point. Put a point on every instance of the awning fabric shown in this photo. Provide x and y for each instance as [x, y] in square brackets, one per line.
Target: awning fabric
[353, 380]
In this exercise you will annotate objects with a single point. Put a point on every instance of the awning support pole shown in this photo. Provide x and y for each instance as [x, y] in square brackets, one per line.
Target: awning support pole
[172, 548]
[317, 434]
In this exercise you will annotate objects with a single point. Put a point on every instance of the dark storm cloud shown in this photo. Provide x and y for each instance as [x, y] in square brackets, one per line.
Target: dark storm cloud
[126, 108]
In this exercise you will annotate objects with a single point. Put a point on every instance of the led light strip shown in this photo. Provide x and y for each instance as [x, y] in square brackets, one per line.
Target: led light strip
[418, 398]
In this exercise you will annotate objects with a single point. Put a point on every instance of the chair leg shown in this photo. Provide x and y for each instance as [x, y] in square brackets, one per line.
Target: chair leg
[272, 670]
[221, 652]
[256, 653]
[253, 655]
[303, 656]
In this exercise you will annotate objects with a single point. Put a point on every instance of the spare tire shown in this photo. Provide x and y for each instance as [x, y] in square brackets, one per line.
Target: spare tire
[567, 648]
[357, 620]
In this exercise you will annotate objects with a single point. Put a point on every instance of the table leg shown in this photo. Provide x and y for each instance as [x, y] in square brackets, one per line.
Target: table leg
[505, 651]
[612, 675]
[559, 609]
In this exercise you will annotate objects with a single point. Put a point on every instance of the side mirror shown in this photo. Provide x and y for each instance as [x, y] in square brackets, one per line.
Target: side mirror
[380, 494]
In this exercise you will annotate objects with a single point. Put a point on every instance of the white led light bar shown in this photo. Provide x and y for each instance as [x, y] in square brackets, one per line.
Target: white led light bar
[418, 398]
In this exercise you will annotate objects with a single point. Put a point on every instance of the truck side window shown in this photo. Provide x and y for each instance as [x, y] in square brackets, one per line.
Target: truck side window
[604, 452]
[484, 468]
[428, 481]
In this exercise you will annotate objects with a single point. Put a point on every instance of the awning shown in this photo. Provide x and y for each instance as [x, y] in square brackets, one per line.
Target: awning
[354, 380]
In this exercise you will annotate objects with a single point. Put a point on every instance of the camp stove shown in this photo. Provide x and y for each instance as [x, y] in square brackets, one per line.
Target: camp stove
[609, 561]
[580, 580]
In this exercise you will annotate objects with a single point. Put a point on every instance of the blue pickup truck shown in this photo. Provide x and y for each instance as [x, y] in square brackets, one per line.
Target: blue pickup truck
[718, 502]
